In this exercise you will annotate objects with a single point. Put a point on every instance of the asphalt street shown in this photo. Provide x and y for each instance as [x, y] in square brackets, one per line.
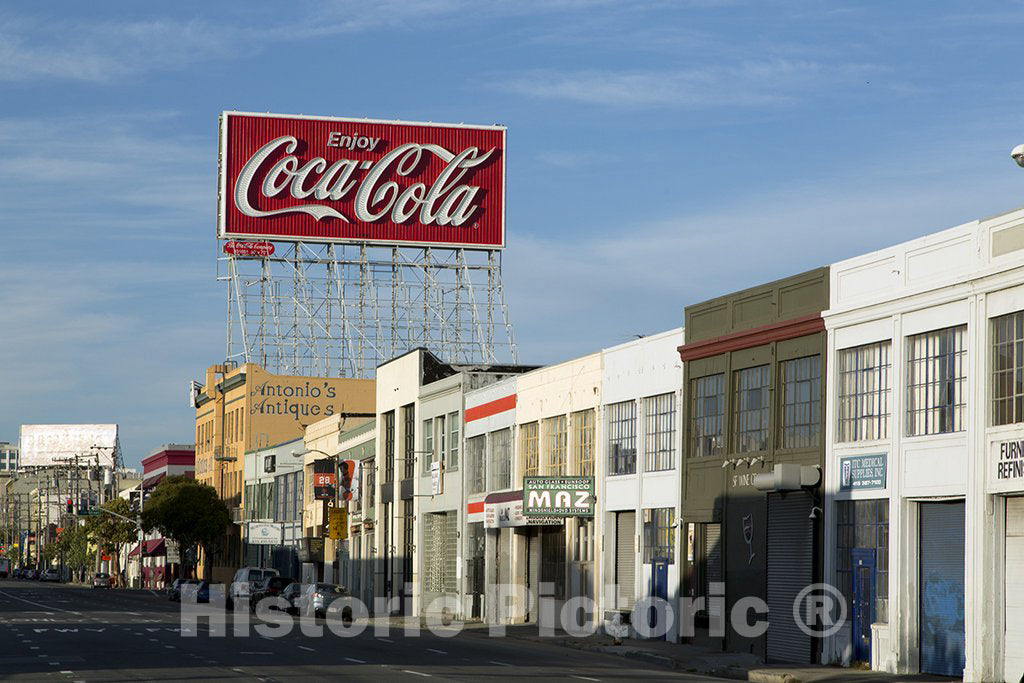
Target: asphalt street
[54, 632]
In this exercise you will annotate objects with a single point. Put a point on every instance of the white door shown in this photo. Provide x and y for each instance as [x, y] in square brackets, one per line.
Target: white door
[1013, 658]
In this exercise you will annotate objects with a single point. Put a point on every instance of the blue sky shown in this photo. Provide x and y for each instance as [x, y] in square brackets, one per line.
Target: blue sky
[659, 154]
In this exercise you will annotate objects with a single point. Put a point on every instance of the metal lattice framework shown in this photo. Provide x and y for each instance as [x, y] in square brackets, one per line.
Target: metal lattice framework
[337, 309]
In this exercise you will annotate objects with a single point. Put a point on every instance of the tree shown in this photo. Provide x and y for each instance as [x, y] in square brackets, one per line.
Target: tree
[111, 533]
[188, 512]
[73, 542]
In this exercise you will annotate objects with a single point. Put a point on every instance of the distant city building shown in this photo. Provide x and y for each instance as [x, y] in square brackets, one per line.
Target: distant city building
[8, 457]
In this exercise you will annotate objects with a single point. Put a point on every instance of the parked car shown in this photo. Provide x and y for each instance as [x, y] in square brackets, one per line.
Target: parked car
[33, 574]
[174, 590]
[270, 587]
[51, 575]
[318, 597]
[292, 594]
[101, 580]
[203, 591]
[246, 580]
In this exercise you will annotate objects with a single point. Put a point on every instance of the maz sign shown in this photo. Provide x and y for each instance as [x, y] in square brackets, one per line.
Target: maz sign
[558, 496]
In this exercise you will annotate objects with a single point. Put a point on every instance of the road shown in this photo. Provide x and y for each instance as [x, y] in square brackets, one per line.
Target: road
[63, 633]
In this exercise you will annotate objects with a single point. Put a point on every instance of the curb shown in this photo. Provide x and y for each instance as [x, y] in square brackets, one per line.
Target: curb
[770, 676]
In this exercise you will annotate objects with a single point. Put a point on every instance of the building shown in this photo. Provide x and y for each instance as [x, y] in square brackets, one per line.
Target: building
[925, 478]
[640, 464]
[8, 458]
[244, 409]
[421, 500]
[272, 498]
[754, 362]
[161, 559]
[359, 554]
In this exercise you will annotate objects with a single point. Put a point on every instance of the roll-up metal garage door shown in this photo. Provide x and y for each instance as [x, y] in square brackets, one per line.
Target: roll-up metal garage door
[1013, 654]
[625, 559]
[941, 534]
[790, 570]
[712, 565]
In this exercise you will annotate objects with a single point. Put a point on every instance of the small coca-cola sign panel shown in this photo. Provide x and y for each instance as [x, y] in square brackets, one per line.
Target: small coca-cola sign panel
[254, 249]
[358, 180]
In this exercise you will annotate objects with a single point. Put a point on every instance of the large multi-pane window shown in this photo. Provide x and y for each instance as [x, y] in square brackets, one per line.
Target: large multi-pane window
[442, 438]
[707, 416]
[529, 449]
[1008, 369]
[659, 534]
[409, 441]
[751, 391]
[660, 432]
[864, 524]
[801, 402]
[622, 438]
[452, 460]
[937, 381]
[369, 477]
[500, 469]
[583, 442]
[864, 375]
[556, 439]
[427, 456]
[389, 446]
[476, 464]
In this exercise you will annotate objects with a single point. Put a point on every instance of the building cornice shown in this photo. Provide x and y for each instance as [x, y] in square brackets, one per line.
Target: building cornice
[756, 336]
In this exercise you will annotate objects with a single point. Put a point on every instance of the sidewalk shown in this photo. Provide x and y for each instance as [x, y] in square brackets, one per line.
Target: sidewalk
[702, 660]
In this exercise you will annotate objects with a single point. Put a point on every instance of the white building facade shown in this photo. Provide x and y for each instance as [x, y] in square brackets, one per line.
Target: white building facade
[924, 483]
[640, 487]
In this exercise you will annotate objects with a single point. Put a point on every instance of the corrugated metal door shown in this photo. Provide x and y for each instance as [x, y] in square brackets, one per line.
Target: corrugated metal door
[1013, 654]
[625, 559]
[790, 570]
[712, 564]
[942, 588]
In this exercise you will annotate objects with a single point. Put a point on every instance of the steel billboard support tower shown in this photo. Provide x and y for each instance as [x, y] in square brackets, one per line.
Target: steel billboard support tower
[338, 309]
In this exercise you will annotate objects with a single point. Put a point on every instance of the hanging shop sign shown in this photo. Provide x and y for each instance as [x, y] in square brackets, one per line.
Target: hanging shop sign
[862, 472]
[265, 533]
[558, 496]
[302, 178]
[324, 479]
[504, 510]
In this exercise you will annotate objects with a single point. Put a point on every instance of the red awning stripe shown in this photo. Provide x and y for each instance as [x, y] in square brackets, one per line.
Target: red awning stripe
[498, 405]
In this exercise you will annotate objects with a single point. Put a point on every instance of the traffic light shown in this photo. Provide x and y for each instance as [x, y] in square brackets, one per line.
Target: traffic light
[71, 507]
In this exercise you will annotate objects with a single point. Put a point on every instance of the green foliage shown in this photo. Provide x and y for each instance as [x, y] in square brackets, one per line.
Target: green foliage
[109, 532]
[188, 512]
[74, 543]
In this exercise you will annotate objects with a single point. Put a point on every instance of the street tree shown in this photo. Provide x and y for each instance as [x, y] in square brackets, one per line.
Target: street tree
[111, 533]
[73, 544]
[188, 512]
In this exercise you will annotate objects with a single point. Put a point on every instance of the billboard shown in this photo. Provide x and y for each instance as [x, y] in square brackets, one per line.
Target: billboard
[303, 178]
[43, 445]
[558, 496]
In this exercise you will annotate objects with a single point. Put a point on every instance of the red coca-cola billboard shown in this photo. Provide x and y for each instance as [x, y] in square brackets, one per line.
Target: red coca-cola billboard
[359, 180]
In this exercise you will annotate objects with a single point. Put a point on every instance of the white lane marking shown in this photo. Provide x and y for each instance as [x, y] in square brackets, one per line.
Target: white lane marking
[357, 661]
[498, 663]
[584, 678]
[254, 653]
[417, 673]
[169, 647]
[440, 652]
[67, 672]
[33, 647]
[38, 604]
[385, 640]
[307, 649]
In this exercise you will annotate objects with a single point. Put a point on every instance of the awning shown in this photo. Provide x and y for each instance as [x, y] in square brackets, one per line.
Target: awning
[153, 481]
[153, 548]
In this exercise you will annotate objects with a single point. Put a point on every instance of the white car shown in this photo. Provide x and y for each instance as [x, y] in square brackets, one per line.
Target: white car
[246, 580]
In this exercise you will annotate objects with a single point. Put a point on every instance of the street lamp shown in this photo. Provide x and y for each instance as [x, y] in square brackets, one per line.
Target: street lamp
[1018, 155]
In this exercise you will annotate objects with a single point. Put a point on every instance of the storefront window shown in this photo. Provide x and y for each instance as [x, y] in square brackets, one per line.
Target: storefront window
[707, 415]
[622, 438]
[864, 390]
[659, 534]
[801, 402]
[750, 389]
[1008, 369]
[937, 382]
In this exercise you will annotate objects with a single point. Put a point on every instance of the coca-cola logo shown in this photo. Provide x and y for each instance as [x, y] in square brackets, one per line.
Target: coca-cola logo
[447, 201]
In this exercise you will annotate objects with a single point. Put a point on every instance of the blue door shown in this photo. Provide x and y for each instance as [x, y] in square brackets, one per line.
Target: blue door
[863, 607]
[941, 528]
[659, 586]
